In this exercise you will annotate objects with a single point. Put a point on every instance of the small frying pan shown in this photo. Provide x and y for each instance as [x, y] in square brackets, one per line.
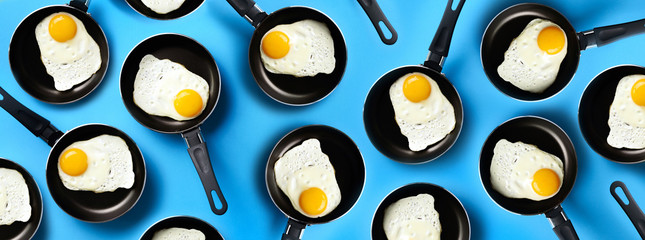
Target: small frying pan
[376, 15]
[287, 89]
[508, 24]
[631, 208]
[550, 138]
[593, 114]
[24, 230]
[378, 114]
[186, 222]
[348, 165]
[28, 68]
[186, 8]
[196, 58]
[83, 205]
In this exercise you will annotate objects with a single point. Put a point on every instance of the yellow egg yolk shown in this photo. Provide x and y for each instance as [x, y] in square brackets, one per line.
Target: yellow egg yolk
[545, 182]
[188, 103]
[313, 201]
[416, 88]
[551, 40]
[275, 44]
[62, 28]
[73, 162]
[638, 92]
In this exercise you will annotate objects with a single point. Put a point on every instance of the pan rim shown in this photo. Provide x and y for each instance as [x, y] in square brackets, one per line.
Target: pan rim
[165, 19]
[42, 206]
[177, 217]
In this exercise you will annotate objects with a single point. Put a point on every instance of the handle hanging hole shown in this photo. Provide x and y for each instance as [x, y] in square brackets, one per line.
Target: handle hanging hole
[621, 195]
[216, 200]
[384, 30]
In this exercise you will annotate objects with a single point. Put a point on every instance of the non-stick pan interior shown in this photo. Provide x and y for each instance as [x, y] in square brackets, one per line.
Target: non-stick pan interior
[24, 230]
[186, 8]
[186, 222]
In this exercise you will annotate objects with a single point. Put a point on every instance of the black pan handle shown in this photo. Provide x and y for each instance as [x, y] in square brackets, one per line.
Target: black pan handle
[601, 36]
[82, 5]
[249, 10]
[376, 15]
[294, 230]
[441, 41]
[632, 210]
[561, 224]
[37, 124]
[199, 154]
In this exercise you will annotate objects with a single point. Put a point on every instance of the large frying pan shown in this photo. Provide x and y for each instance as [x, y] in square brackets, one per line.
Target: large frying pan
[550, 138]
[196, 58]
[28, 69]
[186, 8]
[348, 165]
[593, 114]
[283, 88]
[24, 230]
[508, 24]
[186, 222]
[83, 205]
[452, 215]
[378, 114]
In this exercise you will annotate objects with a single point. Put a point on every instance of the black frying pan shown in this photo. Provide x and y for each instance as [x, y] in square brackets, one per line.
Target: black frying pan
[631, 208]
[186, 222]
[196, 58]
[452, 215]
[83, 205]
[378, 114]
[24, 230]
[593, 114]
[377, 17]
[186, 8]
[284, 88]
[28, 68]
[348, 165]
[548, 137]
[508, 24]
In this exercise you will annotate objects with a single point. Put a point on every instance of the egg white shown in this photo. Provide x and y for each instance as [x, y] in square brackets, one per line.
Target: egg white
[412, 218]
[163, 6]
[178, 234]
[626, 118]
[14, 197]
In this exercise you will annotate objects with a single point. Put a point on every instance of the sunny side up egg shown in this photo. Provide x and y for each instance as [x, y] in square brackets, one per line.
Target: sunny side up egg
[627, 114]
[533, 59]
[69, 53]
[412, 218]
[178, 234]
[163, 6]
[307, 177]
[14, 197]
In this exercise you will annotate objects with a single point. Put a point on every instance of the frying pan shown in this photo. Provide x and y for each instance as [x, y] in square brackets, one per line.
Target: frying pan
[593, 114]
[287, 89]
[348, 165]
[83, 205]
[508, 24]
[186, 8]
[378, 114]
[550, 138]
[452, 215]
[187, 222]
[631, 208]
[28, 68]
[196, 58]
[376, 15]
[24, 230]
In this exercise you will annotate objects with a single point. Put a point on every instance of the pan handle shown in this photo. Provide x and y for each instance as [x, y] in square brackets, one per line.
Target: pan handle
[249, 10]
[561, 224]
[376, 15]
[199, 154]
[601, 36]
[294, 230]
[82, 5]
[632, 210]
[441, 41]
[37, 124]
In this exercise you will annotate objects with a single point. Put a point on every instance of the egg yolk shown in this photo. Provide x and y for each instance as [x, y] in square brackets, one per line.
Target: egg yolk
[275, 44]
[545, 182]
[638, 92]
[73, 162]
[551, 40]
[313, 201]
[188, 103]
[416, 88]
[62, 28]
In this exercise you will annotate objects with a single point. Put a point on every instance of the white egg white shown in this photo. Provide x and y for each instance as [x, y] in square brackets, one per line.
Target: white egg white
[163, 6]
[626, 118]
[412, 218]
[14, 197]
[178, 234]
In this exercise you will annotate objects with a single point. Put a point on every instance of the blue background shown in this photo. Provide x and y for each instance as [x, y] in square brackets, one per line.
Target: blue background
[246, 123]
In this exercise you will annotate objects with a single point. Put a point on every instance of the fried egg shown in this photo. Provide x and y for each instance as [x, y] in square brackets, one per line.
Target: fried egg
[306, 176]
[520, 170]
[163, 6]
[69, 53]
[533, 59]
[166, 88]
[178, 234]
[14, 197]
[627, 114]
[100, 164]
[422, 112]
[303, 48]
[412, 218]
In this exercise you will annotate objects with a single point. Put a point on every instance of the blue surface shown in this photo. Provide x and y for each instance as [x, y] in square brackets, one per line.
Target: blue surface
[246, 123]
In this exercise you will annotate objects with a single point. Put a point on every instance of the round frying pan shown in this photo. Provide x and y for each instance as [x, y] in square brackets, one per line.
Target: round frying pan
[287, 89]
[631, 208]
[508, 24]
[378, 114]
[196, 58]
[550, 138]
[83, 205]
[28, 68]
[593, 114]
[186, 222]
[452, 215]
[24, 230]
[186, 8]
[348, 165]
[376, 15]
